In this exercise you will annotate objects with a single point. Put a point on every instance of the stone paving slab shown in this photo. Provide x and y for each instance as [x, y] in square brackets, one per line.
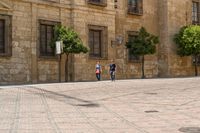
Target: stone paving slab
[123, 106]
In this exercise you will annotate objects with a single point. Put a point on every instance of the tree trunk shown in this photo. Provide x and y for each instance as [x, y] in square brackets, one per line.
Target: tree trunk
[66, 67]
[143, 67]
[196, 62]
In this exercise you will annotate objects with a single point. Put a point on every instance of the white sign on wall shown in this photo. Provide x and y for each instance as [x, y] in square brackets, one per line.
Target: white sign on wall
[59, 47]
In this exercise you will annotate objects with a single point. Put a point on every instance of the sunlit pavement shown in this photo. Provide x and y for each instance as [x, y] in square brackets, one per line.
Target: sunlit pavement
[123, 106]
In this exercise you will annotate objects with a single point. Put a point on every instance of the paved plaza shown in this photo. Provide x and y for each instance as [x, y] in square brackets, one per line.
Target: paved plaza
[123, 106]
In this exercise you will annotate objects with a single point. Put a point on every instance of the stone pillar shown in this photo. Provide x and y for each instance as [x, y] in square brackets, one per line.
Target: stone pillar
[163, 48]
[34, 64]
[173, 15]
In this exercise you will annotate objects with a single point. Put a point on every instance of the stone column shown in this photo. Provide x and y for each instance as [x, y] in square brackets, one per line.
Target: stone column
[163, 48]
[34, 64]
[173, 15]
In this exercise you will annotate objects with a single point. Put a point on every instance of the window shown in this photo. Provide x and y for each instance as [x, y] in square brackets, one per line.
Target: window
[5, 35]
[2, 36]
[198, 59]
[132, 58]
[98, 41]
[97, 2]
[195, 12]
[135, 7]
[46, 36]
[95, 42]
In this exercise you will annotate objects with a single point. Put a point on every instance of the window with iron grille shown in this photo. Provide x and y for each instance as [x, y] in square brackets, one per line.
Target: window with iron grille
[133, 58]
[46, 36]
[97, 41]
[195, 13]
[135, 7]
[98, 2]
[5, 35]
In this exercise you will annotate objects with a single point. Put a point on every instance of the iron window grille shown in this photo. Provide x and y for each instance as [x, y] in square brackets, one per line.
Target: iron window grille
[46, 30]
[97, 39]
[195, 13]
[135, 7]
[5, 35]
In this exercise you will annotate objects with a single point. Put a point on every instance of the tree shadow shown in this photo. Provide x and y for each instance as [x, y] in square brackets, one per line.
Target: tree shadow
[88, 105]
[62, 97]
[190, 129]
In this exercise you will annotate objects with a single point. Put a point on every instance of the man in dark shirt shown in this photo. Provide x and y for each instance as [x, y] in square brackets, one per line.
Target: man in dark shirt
[112, 70]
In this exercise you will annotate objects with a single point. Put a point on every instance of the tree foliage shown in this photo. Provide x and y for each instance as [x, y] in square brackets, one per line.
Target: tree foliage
[143, 44]
[178, 39]
[188, 42]
[71, 41]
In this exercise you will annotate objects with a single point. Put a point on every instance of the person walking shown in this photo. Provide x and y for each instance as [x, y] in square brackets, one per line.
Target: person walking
[98, 71]
[112, 70]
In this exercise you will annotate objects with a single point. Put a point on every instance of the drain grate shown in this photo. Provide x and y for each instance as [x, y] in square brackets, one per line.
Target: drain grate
[151, 111]
[190, 129]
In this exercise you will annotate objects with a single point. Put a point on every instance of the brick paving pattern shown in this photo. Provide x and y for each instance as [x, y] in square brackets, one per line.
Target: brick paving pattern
[123, 106]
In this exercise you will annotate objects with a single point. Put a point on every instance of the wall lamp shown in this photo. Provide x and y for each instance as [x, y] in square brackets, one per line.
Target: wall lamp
[118, 41]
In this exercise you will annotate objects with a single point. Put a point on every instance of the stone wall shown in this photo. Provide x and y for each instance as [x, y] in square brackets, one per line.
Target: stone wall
[128, 22]
[16, 69]
[179, 66]
[160, 17]
[25, 65]
[171, 20]
[85, 14]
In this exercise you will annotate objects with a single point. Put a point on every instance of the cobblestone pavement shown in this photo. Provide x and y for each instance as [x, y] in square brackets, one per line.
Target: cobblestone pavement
[123, 106]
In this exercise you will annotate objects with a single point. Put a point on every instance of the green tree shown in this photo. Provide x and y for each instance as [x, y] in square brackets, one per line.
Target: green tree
[188, 43]
[72, 44]
[143, 44]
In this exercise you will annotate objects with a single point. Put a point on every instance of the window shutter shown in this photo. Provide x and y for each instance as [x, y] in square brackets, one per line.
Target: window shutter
[97, 43]
[49, 39]
[42, 39]
[140, 7]
[2, 36]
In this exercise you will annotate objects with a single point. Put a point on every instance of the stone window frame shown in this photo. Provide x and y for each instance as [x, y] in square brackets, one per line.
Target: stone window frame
[198, 12]
[133, 59]
[7, 35]
[138, 10]
[104, 41]
[102, 3]
[45, 22]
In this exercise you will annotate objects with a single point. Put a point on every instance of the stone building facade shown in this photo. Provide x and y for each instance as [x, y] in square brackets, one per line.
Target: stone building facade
[26, 28]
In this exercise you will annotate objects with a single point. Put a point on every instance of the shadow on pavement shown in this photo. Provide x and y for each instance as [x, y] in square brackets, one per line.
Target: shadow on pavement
[190, 129]
[62, 98]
